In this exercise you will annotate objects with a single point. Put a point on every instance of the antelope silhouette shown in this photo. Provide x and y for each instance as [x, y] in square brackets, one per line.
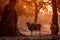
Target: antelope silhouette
[33, 26]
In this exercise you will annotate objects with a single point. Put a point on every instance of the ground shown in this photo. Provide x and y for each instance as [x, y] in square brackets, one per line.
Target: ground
[43, 37]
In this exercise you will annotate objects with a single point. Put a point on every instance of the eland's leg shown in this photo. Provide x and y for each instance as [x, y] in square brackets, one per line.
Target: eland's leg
[39, 32]
[31, 33]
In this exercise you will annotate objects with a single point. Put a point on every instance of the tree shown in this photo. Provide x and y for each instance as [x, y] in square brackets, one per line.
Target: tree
[36, 4]
[8, 24]
[54, 25]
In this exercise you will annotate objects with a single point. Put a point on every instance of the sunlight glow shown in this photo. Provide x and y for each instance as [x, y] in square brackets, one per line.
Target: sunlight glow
[33, 4]
[45, 0]
[46, 8]
[49, 8]
[28, 0]
[25, 6]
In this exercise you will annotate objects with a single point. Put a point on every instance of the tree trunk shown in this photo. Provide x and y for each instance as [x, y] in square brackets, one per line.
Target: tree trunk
[54, 25]
[8, 24]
